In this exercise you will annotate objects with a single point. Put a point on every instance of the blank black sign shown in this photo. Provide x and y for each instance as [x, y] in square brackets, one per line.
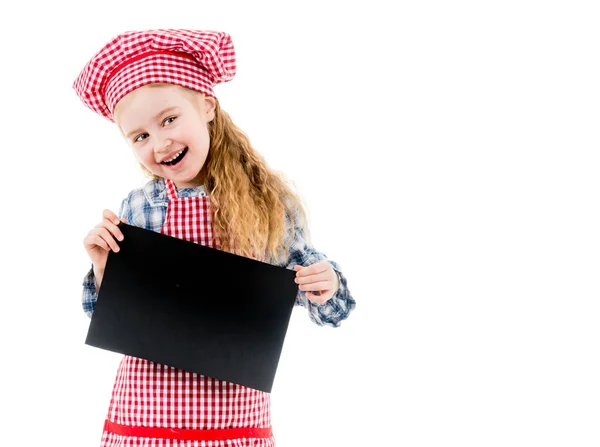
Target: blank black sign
[194, 308]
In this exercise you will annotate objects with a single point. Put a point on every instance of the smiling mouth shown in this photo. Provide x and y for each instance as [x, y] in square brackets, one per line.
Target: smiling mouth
[176, 159]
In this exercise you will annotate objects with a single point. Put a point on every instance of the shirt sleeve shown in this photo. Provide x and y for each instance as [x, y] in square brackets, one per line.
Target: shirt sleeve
[89, 296]
[339, 306]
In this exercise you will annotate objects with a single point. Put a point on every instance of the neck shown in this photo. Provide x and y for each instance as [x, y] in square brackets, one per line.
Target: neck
[197, 181]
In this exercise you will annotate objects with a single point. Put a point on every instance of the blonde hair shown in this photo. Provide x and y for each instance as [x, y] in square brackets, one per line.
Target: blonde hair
[250, 202]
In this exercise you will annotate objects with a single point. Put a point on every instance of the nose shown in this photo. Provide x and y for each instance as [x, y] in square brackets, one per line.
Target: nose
[164, 145]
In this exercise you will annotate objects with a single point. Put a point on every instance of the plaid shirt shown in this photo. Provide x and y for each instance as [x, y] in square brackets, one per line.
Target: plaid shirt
[147, 208]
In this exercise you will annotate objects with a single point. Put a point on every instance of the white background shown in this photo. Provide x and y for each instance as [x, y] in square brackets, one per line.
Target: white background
[448, 153]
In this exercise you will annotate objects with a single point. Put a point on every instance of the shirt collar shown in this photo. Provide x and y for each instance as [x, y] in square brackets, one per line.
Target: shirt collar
[156, 192]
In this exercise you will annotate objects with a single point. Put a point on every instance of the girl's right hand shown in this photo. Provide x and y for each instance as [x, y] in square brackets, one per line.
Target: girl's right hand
[101, 239]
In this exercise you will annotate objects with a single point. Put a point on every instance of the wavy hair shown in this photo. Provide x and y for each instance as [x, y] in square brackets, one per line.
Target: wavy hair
[250, 202]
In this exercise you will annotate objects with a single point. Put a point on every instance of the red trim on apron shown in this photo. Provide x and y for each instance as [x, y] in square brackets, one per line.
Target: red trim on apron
[182, 434]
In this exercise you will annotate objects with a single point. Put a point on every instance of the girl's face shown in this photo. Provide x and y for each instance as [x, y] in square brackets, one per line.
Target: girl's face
[167, 128]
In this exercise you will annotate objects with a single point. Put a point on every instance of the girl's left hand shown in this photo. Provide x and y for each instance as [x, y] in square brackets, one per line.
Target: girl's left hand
[319, 278]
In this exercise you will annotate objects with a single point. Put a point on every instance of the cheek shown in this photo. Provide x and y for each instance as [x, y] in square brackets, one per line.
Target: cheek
[202, 138]
[143, 154]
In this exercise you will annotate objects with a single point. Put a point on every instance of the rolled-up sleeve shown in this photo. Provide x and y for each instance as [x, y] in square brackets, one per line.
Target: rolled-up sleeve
[338, 307]
[89, 296]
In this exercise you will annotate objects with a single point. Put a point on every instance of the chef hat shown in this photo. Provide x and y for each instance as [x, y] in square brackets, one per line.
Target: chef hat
[194, 59]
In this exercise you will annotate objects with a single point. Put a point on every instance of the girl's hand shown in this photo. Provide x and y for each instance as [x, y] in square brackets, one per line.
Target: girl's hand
[319, 281]
[100, 240]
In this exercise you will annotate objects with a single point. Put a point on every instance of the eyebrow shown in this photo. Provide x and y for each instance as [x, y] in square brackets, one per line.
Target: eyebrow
[155, 117]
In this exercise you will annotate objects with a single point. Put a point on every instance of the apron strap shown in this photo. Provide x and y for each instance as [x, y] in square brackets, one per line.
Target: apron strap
[171, 189]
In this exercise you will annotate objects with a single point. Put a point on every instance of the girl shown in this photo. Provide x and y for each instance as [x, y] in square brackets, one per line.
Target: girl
[209, 186]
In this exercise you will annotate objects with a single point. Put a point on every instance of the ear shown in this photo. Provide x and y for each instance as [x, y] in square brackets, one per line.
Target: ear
[209, 107]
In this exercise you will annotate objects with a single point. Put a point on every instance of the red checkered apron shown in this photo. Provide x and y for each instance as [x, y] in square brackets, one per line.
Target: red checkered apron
[155, 405]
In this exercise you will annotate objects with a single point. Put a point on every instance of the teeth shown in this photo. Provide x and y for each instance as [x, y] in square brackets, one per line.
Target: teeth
[176, 155]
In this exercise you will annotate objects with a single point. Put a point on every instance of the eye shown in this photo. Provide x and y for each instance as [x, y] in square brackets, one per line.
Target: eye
[136, 139]
[169, 120]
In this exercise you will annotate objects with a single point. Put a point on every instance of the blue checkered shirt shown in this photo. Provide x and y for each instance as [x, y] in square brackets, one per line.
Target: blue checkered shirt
[147, 208]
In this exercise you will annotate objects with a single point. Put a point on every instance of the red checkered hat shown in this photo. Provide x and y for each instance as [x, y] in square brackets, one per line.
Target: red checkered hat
[194, 59]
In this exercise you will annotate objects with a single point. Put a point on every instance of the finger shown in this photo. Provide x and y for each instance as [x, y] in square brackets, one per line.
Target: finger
[95, 240]
[319, 267]
[112, 217]
[104, 234]
[112, 228]
[316, 286]
[325, 276]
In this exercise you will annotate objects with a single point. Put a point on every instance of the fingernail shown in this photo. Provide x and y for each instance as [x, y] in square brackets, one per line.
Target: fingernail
[116, 221]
